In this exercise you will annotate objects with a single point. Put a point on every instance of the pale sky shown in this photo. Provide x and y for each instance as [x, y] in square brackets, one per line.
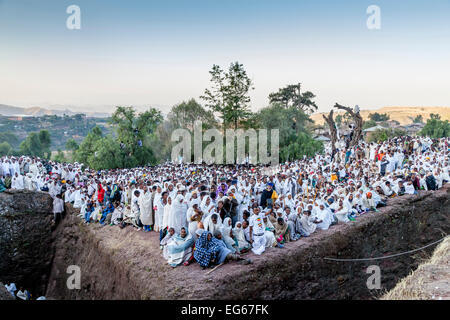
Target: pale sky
[158, 53]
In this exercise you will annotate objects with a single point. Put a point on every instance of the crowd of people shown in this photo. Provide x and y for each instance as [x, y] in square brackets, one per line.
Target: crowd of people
[211, 214]
[21, 294]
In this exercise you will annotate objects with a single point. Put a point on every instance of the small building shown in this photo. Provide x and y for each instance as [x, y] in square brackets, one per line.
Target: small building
[413, 128]
[372, 129]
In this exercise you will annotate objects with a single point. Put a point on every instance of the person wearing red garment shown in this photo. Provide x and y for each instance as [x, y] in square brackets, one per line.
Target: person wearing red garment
[100, 193]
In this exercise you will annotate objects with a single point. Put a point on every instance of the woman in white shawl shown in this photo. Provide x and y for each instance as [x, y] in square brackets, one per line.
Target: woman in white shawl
[177, 218]
[289, 202]
[145, 209]
[179, 249]
[271, 241]
[207, 207]
[239, 236]
[194, 215]
[167, 210]
[227, 234]
[211, 224]
[117, 215]
[157, 206]
[77, 203]
[245, 202]
[165, 241]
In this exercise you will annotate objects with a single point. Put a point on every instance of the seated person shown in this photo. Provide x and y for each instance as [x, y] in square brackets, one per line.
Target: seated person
[242, 245]
[281, 232]
[179, 248]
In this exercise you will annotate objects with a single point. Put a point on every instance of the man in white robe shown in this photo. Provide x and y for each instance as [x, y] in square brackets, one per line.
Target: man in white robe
[145, 205]
[17, 182]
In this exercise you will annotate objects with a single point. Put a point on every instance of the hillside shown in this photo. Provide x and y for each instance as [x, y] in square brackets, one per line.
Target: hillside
[429, 281]
[12, 111]
[61, 128]
[400, 114]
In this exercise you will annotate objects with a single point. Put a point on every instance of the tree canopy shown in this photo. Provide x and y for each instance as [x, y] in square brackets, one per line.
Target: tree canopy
[435, 127]
[229, 94]
[37, 144]
[379, 116]
[291, 96]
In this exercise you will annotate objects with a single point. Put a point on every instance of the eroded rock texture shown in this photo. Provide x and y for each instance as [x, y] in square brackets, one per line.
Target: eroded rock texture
[26, 245]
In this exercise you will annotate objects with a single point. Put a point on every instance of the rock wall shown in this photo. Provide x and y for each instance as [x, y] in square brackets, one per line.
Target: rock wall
[408, 223]
[102, 276]
[26, 239]
[4, 294]
[125, 264]
[430, 281]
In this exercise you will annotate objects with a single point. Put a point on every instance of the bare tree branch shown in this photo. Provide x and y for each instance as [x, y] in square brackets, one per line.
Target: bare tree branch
[357, 131]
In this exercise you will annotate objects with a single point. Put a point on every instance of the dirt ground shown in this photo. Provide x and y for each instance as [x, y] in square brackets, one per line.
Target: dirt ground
[135, 269]
[431, 281]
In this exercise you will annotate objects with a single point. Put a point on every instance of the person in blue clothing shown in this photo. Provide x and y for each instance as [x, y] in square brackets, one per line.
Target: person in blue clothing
[109, 209]
[89, 209]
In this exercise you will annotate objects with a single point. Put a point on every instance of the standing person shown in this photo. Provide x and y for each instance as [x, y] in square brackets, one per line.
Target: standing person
[194, 216]
[159, 215]
[177, 217]
[145, 205]
[268, 196]
[135, 207]
[58, 207]
[256, 229]
[100, 193]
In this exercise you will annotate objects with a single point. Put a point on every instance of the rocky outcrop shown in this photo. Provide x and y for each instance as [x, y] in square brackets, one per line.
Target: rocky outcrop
[124, 264]
[26, 244]
[4, 294]
[431, 280]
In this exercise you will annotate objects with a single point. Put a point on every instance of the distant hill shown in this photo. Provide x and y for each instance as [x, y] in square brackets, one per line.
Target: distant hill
[10, 111]
[404, 115]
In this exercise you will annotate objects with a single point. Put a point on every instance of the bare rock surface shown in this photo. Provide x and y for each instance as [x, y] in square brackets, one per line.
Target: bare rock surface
[26, 244]
[127, 264]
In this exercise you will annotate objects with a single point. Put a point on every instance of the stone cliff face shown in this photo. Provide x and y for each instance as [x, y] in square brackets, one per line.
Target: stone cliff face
[124, 264]
[4, 294]
[26, 244]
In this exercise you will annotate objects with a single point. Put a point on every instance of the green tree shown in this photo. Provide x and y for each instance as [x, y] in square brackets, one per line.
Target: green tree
[369, 124]
[436, 128]
[295, 139]
[87, 147]
[418, 119]
[435, 116]
[10, 138]
[36, 144]
[185, 114]
[379, 116]
[133, 132]
[299, 145]
[229, 94]
[59, 157]
[107, 154]
[385, 134]
[44, 138]
[31, 146]
[291, 96]
[5, 148]
[72, 145]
